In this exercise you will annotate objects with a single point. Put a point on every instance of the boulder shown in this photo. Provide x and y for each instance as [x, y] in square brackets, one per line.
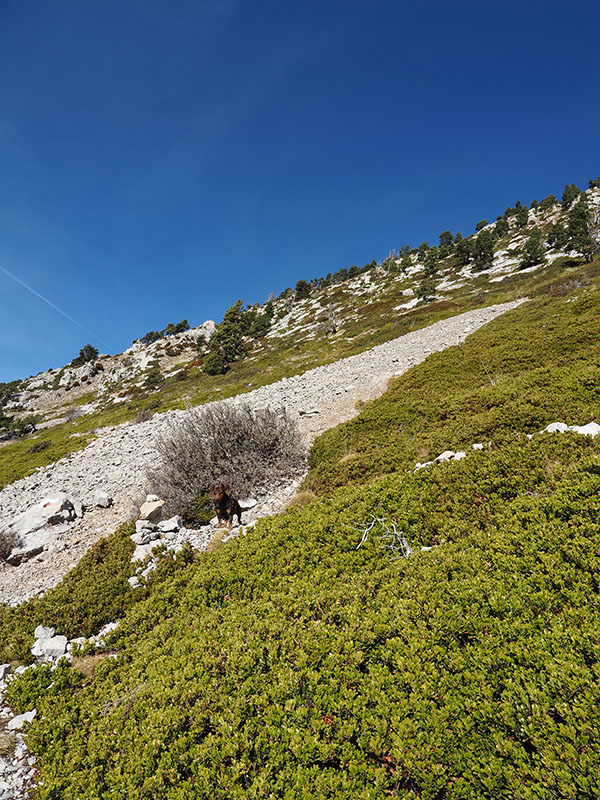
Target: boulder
[134, 581]
[170, 525]
[49, 511]
[152, 510]
[445, 456]
[52, 648]
[102, 499]
[4, 671]
[556, 427]
[591, 429]
[29, 546]
[142, 525]
[145, 536]
[141, 551]
[17, 723]
[42, 632]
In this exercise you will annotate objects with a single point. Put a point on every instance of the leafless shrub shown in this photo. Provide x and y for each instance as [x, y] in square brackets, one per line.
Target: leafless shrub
[8, 539]
[244, 448]
[143, 415]
[391, 539]
[73, 413]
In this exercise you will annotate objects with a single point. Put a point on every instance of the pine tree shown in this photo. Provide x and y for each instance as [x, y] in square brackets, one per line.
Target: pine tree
[464, 249]
[570, 193]
[557, 237]
[548, 202]
[481, 224]
[445, 238]
[522, 216]
[483, 250]
[578, 230]
[405, 260]
[426, 290]
[501, 227]
[533, 252]
[302, 290]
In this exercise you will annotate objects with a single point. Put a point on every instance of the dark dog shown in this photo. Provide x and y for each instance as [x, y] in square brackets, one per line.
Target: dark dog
[226, 506]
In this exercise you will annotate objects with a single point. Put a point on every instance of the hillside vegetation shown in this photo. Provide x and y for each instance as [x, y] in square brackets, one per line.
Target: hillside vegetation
[321, 320]
[295, 664]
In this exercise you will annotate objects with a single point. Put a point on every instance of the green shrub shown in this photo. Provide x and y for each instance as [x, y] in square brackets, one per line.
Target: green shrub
[291, 664]
[93, 593]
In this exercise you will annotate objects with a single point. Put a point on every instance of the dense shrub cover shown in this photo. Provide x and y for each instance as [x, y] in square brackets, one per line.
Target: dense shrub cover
[294, 665]
[93, 593]
[291, 664]
[532, 366]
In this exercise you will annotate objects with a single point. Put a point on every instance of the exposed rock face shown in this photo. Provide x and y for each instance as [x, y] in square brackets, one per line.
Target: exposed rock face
[49, 511]
[117, 460]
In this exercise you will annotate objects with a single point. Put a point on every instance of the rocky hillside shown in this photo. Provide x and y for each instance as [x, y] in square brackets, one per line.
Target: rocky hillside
[342, 313]
[417, 621]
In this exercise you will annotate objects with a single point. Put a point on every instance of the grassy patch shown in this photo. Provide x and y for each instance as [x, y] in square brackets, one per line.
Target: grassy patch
[537, 364]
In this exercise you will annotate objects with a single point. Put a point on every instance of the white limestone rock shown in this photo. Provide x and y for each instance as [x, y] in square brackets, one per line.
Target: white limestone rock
[152, 510]
[29, 546]
[141, 552]
[170, 525]
[556, 427]
[591, 429]
[42, 632]
[17, 723]
[102, 499]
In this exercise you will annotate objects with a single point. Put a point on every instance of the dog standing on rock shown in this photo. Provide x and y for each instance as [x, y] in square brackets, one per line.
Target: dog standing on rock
[226, 506]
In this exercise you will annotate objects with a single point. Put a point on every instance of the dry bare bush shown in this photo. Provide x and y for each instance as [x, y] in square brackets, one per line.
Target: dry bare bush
[247, 449]
[8, 540]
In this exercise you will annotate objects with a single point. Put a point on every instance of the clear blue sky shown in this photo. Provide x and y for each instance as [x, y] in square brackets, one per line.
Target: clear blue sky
[160, 160]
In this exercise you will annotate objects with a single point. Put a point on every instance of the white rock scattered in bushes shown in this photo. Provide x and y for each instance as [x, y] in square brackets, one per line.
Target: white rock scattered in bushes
[4, 671]
[151, 510]
[16, 723]
[445, 456]
[134, 581]
[459, 455]
[141, 552]
[478, 446]
[170, 525]
[556, 427]
[591, 429]
[50, 648]
[41, 632]
[143, 525]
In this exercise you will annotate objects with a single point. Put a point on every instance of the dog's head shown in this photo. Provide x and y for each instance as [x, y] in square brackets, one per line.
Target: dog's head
[218, 491]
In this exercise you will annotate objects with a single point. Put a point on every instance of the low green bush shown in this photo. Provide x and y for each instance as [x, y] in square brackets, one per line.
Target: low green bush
[90, 595]
[534, 365]
[292, 664]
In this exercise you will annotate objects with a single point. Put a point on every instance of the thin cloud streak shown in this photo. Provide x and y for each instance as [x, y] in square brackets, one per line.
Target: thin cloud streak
[52, 305]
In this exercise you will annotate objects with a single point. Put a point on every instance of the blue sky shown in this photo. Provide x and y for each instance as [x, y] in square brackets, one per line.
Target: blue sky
[160, 160]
